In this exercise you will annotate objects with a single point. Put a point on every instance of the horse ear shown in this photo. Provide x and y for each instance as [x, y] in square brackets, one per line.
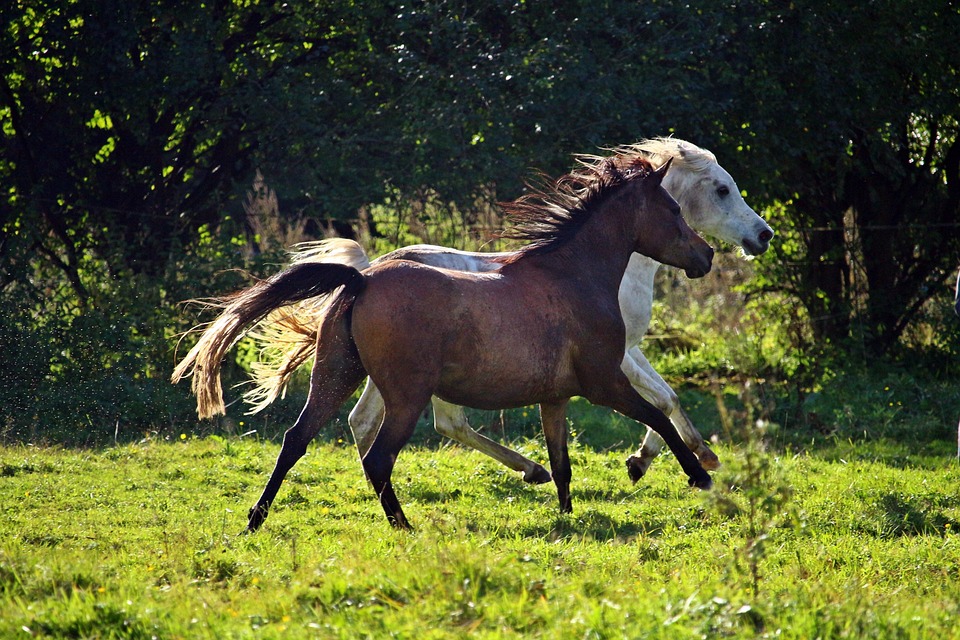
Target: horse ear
[662, 171]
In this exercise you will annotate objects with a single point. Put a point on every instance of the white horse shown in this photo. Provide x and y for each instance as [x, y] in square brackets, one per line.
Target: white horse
[711, 203]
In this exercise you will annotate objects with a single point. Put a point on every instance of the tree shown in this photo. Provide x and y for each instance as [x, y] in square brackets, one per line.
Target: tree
[131, 126]
[132, 130]
[852, 116]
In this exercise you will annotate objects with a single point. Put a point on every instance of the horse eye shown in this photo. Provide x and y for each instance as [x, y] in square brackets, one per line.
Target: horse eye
[723, 192]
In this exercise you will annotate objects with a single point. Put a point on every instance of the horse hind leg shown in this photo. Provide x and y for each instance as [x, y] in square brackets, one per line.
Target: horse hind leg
[315, 414]
[337, 372]
[450, 420]
[399, 421]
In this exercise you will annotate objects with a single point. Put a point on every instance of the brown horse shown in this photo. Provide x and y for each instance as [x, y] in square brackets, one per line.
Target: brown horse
[542, 328]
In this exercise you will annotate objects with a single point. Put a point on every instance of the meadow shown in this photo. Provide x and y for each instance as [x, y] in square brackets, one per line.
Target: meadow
[835, 514]
[143, 540]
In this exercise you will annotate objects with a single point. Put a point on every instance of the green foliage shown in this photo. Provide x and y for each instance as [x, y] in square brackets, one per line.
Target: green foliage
[727, 332]
[97, 372]
[851, 123]
[142, 541]
[128, 134]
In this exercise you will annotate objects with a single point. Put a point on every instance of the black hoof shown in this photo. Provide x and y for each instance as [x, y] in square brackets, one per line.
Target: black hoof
[705, 483]
[255, 518]
[634, 469]
[538, 475]
[400, 523]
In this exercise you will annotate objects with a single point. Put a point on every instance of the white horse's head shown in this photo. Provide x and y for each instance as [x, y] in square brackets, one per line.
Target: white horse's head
[709, 198]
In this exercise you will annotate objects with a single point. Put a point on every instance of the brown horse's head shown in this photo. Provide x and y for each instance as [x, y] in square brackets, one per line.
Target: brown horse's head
[551, 214]
[663, 234]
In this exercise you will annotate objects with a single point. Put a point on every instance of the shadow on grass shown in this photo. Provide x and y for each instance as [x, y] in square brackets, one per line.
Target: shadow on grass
[908, 516]
[595, 525]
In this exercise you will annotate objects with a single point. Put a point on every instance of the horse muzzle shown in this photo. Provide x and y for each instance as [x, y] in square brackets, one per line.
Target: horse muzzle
[705, 260]
[754, 247]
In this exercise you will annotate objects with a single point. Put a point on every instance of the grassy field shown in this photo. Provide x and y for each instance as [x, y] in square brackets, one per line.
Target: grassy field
[141, 541]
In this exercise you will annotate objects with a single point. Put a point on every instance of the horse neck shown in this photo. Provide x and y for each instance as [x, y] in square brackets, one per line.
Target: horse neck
[636, 296]
[601, 249]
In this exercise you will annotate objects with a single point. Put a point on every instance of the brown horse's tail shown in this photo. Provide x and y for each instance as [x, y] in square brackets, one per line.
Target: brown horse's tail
[286, 338]
[300, 282]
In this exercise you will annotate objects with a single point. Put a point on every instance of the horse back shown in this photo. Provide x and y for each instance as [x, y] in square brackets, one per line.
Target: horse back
[445, 258]
[478, 339]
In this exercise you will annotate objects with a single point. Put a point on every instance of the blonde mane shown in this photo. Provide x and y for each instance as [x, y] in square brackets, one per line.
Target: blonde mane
[686, 155]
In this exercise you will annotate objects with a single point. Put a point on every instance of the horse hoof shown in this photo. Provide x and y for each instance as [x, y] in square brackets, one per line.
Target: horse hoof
[708, 459]
[398, 520]
[636, 468]
[400, 525]
[255, 518]
[705, 483]
[537, 475]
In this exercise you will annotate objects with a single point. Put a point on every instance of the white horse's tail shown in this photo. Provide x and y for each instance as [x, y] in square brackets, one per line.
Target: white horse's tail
[287, 337]
[339, 250]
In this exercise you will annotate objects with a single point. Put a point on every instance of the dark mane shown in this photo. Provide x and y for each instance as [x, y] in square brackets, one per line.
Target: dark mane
[554, 210]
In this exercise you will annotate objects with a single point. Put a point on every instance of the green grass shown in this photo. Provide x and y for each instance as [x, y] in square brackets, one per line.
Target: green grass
[141, 541]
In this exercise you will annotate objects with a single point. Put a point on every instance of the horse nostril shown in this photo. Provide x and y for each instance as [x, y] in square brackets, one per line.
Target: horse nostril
[765, 236]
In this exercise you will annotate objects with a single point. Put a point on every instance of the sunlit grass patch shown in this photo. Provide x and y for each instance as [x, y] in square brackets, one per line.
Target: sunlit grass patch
[144, 540]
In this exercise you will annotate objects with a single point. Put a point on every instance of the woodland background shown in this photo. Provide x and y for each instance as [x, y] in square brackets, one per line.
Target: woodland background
[149, 150]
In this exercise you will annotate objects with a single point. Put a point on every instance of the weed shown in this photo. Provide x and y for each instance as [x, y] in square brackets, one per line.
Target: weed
[750, 488]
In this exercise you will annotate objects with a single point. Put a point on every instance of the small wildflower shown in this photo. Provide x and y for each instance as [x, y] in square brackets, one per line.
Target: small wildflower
[183, 436]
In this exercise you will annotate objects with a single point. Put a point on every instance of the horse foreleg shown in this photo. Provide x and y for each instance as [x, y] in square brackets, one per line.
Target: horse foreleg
[655, 389]
[450, 420]
[647, 381]
[639, 463]
[621, 396]
[366, 417]
[553, 418]
[398, 425]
